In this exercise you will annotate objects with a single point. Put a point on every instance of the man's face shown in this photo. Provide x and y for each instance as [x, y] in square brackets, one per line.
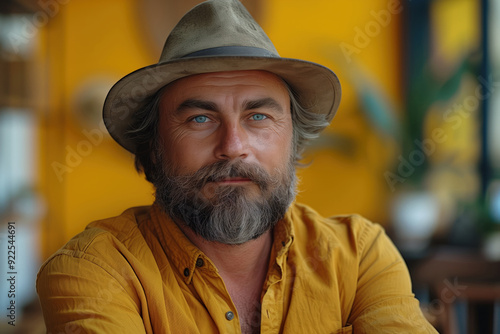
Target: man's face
[226, 116]
[226, 151]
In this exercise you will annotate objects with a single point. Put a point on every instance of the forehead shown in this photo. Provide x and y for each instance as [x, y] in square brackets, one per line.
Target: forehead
[231, 82]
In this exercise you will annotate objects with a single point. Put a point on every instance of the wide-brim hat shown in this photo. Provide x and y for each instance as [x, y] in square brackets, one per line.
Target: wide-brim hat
[217, 36]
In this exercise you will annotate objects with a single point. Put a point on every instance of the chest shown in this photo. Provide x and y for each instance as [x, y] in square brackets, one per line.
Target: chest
[249, 312]
[293, 300]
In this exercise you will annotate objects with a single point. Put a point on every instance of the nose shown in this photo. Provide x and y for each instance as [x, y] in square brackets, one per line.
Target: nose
[232, 142]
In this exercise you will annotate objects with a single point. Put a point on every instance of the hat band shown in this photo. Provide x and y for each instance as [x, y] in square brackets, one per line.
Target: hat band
[248, 51]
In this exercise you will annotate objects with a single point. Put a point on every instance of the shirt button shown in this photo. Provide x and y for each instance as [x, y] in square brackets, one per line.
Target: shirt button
[186, 272]
[200, 262]
[229, 315]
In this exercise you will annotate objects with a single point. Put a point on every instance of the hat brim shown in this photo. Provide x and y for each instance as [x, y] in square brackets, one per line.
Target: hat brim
[318, 88]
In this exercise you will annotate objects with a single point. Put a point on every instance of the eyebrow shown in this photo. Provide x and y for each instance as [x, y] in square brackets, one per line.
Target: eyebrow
[196, 104]
[266, 102]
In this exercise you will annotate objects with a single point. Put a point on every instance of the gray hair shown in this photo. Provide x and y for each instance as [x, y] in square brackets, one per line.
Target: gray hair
[144, 130]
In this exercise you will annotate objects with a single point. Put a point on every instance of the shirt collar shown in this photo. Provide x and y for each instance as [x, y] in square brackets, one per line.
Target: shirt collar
[184, 255]
[283, 234]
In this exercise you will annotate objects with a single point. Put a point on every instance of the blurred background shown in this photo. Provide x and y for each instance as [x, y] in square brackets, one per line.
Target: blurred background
[415, 145]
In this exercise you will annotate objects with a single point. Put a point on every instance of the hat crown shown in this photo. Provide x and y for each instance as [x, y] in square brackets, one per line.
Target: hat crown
[215, 36]
[214, 24]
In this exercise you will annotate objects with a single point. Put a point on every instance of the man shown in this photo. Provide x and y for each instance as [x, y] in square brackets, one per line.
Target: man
[217, 126]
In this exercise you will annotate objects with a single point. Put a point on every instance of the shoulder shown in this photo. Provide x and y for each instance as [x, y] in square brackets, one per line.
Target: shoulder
[98, 277]
[352, 229]
[104, 240]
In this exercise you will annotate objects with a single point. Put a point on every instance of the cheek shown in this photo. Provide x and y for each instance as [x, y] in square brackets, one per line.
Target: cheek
[274, 147]
[186, 154]
[263, 139]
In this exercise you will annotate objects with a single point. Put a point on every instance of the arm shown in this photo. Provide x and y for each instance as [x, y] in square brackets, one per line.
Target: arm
[80, 294]
[384, 301]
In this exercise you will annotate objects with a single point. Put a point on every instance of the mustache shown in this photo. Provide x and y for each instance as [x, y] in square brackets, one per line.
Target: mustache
[223, 169]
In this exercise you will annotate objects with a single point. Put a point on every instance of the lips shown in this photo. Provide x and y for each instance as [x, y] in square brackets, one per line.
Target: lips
[234, 180]
[231, 173]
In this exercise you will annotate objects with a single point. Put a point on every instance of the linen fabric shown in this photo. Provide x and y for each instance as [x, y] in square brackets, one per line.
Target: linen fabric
[138, 273]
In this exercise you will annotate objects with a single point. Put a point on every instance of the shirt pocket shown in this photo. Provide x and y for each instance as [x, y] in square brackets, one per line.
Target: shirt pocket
[344, 330]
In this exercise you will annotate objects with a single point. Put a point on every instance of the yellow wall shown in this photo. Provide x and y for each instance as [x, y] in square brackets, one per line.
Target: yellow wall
[103, 39]
[87, 39]
[314, 30]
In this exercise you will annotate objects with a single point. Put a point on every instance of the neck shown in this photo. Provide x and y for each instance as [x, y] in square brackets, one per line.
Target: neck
[236, 262]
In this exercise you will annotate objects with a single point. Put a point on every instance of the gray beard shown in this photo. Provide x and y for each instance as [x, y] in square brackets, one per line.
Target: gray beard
[230, 215]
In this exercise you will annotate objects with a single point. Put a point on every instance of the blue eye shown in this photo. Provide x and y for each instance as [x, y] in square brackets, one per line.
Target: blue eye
[258, 117]
[200, 119]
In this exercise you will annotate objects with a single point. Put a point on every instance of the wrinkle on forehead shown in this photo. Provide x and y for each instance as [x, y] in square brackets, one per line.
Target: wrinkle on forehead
[210, 91]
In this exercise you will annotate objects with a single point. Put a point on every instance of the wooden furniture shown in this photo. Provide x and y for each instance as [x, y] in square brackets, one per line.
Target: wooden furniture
[464, 290]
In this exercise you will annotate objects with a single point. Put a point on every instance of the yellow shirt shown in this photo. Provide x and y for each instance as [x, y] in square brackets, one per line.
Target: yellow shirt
[138, 273]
